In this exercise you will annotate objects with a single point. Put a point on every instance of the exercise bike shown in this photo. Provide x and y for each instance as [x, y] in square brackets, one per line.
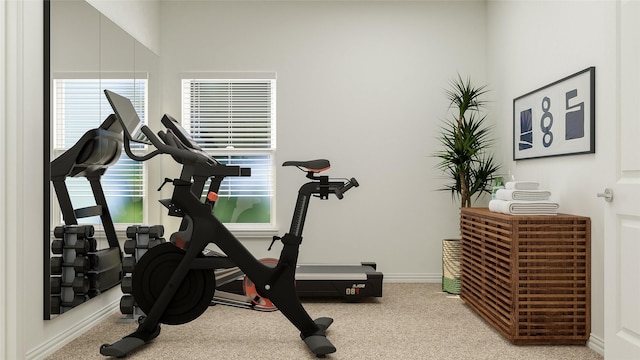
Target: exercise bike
[349, 282]
[175, 286]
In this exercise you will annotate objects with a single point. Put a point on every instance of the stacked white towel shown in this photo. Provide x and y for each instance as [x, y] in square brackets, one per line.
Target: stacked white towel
[523, 198]
[521, 185]
[524, 207]
[530, 195]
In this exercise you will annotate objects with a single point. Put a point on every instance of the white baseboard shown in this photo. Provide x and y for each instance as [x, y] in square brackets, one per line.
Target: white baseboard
[412, 278]
[596, 344]
[57, 342]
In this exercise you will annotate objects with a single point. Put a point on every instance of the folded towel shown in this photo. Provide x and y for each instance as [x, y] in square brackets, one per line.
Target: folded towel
[531, 195]
[524, 207]
[521, 185]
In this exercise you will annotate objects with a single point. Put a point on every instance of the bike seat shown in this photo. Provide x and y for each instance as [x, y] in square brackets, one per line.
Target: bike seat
[316, 166]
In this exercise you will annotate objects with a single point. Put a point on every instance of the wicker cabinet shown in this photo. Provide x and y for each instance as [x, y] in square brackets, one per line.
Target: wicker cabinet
[528, 276]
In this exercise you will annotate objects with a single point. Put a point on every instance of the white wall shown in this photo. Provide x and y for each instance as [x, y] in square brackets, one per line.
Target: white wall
[140, 18]
[359, 83]
[532, 44]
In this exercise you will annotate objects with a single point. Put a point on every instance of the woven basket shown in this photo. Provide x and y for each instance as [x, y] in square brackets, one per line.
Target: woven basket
[451, 249]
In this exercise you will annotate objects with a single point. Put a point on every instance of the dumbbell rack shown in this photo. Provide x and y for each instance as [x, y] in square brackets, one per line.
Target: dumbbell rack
[139, 240]
[80, 272]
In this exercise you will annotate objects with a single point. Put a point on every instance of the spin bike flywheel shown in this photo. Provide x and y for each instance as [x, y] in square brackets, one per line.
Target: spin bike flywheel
[152, 274]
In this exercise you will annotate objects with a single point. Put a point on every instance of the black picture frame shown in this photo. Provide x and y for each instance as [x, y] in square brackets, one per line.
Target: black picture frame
[557, 119]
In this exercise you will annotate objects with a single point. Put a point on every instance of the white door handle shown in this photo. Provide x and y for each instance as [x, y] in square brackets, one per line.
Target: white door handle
[607, 195]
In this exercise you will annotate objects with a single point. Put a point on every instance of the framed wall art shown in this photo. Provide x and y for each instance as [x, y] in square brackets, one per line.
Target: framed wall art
[557, 119]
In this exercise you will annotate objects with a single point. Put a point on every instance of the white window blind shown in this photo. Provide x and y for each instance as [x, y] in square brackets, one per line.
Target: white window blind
[229, 114]
[234, 120]
[80, 105]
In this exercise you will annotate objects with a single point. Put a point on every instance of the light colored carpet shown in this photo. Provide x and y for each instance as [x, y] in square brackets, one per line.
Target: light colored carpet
[411, 321]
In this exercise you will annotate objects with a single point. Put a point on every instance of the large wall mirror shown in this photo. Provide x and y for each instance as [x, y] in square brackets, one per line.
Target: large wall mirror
[85, 53]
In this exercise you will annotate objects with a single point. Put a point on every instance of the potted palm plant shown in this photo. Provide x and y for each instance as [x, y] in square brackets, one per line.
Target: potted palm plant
[465, 160]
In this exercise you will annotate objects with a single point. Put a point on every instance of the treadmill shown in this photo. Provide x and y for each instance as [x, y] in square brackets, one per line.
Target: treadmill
[349, 282]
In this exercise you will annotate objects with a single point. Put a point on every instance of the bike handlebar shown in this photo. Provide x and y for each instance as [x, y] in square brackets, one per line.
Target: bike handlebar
[183, 156]
[167, 143]
[348, 185]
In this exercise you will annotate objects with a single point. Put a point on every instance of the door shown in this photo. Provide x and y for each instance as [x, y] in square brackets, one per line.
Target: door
[622, 215]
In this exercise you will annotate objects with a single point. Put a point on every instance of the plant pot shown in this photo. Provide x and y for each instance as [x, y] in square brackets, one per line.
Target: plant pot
[451, 249]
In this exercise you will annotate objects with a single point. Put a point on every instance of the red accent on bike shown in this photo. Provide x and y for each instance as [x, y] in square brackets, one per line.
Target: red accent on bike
[179, 242]
[318, 170]
[211, 196]
[252, 293]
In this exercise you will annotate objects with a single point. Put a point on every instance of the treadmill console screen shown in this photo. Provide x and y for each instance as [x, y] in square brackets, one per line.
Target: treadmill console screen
[128, 117]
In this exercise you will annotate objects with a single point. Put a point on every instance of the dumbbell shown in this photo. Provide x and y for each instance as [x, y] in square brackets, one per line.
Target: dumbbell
[128, 264]
[55, 304]
[56, 284]
[131, 231]
[82, 246]
[58, 232]
[127, 285]
[56, 265]
[156, 231]
[127, 302]
[81, 264]
[81, 284]
[57, 246]
[84, 231]
[130, 247]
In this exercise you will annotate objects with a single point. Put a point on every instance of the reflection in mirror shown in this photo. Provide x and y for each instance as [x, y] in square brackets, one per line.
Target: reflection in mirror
[95, 189]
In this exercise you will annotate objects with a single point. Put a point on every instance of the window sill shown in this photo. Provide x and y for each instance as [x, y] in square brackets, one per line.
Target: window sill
[253, 234]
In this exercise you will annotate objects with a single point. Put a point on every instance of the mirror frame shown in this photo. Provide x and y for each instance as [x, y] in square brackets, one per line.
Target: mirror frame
[46, 163]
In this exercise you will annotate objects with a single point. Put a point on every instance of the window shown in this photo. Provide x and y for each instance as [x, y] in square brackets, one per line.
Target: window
[233, 119]
[80, 105]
